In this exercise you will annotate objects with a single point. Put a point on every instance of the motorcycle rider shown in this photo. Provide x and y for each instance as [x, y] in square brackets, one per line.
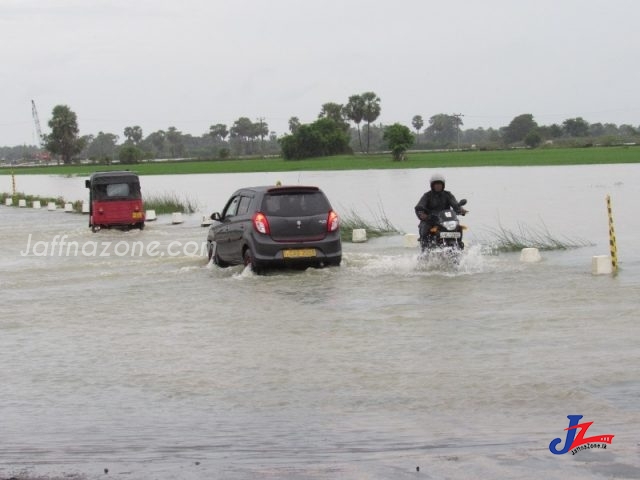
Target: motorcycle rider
[434, 201]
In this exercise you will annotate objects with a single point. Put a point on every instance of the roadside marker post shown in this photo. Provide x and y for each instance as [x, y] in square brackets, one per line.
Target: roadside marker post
[612, 238]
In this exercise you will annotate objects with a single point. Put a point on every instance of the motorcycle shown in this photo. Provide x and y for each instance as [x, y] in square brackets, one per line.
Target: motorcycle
[445, 233]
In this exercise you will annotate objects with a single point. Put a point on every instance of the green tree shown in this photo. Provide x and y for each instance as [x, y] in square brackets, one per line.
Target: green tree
[176, 145]
[103, 147]
[532, 139]
[63, 139]
[218, 131]
[596, 129]
[335, 112]
[399, 138]
[130, 154]
[627, 131]
[133, 134]
[322, 138]
[354, 111]
[576, 127]
[442, 129]
[243, 131]
[371, 110]
[155, 142]
[260, 129]
[294, 124]
[417, 124]
[519, 127]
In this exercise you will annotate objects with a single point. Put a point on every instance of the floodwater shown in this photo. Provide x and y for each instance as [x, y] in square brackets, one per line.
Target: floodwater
[133, 354]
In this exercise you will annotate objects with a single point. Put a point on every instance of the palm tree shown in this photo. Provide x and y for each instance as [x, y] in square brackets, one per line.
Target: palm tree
[354, 111]
[417, 123]
[371, 111]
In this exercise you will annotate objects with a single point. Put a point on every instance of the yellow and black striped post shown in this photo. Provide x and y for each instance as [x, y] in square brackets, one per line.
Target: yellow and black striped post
[612, 238]
[13, 182]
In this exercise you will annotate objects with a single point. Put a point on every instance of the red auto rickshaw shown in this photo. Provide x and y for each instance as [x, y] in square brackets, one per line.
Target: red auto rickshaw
[115, 201]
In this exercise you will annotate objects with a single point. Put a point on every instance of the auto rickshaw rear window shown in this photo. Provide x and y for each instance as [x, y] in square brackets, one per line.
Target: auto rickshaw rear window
[118, 190]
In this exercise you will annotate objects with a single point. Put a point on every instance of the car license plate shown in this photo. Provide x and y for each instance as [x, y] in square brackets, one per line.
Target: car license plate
[450, 234]
[299, 253]
[136, 215]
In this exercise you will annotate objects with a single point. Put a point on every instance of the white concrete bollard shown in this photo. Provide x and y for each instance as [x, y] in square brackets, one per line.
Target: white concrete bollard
[8, 201]
[150, 216]
[601, 265]
[68, 207]
[176, 217]
[530, 255]
[85, 207]
[359, 235]
[51, 206]
[22, 203]
[411, 240]
[36, 204]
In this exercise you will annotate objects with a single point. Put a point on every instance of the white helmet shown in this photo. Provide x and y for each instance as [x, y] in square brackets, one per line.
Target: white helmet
[436, 177]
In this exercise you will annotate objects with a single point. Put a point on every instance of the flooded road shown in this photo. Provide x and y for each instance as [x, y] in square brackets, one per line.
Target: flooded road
[155, 364]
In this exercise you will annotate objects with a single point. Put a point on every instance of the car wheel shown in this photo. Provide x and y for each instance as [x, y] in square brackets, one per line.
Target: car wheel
[213, 254]
[248, 260]
[218, 261]
[335, 262]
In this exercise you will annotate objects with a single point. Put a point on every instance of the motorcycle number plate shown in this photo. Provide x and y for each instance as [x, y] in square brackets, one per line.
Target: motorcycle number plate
[450, 234]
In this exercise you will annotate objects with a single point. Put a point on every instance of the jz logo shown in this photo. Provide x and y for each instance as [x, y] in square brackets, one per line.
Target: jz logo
[575, 440]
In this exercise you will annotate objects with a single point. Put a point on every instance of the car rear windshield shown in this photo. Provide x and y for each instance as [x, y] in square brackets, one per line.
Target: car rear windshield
[292, 204]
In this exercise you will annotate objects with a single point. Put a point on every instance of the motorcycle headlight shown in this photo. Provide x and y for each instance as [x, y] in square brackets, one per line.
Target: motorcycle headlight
[450, 225]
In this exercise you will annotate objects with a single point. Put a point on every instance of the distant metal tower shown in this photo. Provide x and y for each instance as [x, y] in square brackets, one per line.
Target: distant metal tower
[36, 120]
[42, 154]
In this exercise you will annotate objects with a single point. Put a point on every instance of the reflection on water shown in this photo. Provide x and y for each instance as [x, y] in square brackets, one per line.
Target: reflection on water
[164, 366]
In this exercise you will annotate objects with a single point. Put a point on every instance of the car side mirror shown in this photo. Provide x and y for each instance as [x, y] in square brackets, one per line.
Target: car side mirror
[216, 216]
[462, 202]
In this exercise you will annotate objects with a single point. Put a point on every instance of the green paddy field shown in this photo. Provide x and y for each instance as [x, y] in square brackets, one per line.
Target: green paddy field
[522, 157]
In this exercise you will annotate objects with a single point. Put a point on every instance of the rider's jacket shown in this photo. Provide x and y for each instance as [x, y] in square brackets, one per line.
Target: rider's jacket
[433, 202]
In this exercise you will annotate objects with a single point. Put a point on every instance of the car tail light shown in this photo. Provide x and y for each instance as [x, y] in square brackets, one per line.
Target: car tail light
[260, 223]
[333, 222]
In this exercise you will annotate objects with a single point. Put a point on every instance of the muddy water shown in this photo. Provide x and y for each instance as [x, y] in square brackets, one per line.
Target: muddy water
[154, 364]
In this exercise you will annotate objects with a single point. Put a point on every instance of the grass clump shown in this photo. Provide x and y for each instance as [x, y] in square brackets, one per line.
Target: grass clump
[502, 239]
[169, 203]
[379, 226]
[59, 201]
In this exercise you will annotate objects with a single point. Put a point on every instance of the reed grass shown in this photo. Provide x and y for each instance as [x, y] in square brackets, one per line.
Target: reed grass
[59, 201]
[502, 239]
[169, 203]
[378, 226]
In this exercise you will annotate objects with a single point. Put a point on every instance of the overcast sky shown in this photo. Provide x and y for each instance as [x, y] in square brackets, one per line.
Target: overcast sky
[194, 63]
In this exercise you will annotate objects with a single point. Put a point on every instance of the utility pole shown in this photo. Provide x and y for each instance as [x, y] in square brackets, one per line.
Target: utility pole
[458, 121]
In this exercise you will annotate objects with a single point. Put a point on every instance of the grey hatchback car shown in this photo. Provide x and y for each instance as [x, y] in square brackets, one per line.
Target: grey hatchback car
[291, 226]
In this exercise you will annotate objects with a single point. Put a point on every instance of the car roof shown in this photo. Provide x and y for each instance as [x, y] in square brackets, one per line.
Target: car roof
[280, 189]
